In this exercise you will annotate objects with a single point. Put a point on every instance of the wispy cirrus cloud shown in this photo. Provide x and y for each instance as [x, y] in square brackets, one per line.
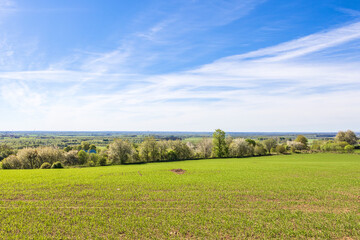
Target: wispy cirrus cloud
[286, 84]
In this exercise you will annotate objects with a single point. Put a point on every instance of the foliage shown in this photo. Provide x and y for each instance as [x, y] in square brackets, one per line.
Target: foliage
[50, 155]
[241, 148]
[12, 162]
[120, 152]
[94, 158]
[220, 148]
[296, 146]
[91, 163]
[259, 149]
[251, 142]
[57, 165]
[348, 136]
[45, 165]
[349, 148]
[280, 149]
[269, 144]
[83, 157]
[302, 139]
[5, 151]
[102, 160]
[72, 158]
[180, 149]
[85, 145]
[149, 150]
[204, 148]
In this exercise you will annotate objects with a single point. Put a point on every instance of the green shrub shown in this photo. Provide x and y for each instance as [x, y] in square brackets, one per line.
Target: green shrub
[171, 155]
[91, 164]
[93, 157]
[45, 165]
[102, 161]
[83, 157]
[259, 150]
[349, 148]
[280, 149]
[57, 165]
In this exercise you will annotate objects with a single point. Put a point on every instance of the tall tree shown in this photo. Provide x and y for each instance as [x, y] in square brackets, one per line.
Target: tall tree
[220, 148]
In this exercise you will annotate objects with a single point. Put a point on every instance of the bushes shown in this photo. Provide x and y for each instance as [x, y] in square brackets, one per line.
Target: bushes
[259, 150]
[50, 155]
[102, 161]
[71, 158]
[280, 149]
[82, 157]
[57, 165]
[296, 146]
[349, 148]
[11, 162]
[241, 148]
[45, 165]
[30, 158]
[91, 164]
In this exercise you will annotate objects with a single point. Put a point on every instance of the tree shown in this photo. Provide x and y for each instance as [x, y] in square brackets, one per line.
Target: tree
[163, 147]
[259, 149]
[83, 157]
[50, 155]
[180, 149]
[85, 145]
[348, 136]
[220, 149]
[67, 149]
[29, 158]
[71, 158]
[92, 147]
[149, 150]
[241, 148]
[120, 152]
[269, 144]
[5, 151]
[251, 142]
[280, 149]
[302, 139]
[296, 146]
[204, 148]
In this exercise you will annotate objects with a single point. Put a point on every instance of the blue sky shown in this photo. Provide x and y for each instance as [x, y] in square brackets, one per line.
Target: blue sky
[195, 65]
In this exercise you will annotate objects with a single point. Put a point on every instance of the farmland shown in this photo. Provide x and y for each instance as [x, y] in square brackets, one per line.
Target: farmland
[286, 196]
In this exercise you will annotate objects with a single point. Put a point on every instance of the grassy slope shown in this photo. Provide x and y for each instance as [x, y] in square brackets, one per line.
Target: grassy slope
[297, 196]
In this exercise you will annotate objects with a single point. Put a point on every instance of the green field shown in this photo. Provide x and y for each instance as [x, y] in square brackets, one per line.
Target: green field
[295, 196]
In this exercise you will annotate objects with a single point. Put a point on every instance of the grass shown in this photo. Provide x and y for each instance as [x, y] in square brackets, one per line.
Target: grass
[308, 196]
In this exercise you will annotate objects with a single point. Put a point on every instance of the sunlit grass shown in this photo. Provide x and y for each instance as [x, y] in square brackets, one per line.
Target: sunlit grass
[295, 196]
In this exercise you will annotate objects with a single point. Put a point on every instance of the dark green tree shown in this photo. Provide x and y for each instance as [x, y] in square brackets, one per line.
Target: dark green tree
[220, 148]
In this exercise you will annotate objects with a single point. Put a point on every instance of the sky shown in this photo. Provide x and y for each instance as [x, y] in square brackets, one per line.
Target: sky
[175, 65]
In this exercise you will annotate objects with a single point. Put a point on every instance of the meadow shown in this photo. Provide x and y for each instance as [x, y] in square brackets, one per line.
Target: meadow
[298, 196]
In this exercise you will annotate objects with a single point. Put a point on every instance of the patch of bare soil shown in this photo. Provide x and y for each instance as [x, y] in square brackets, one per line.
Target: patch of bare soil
[178, 171]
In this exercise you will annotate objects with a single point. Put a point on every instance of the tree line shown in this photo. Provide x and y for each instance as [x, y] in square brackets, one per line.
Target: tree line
[152, 150]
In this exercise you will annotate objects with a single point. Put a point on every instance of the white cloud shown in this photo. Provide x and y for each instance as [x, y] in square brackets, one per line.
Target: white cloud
[288, 87]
